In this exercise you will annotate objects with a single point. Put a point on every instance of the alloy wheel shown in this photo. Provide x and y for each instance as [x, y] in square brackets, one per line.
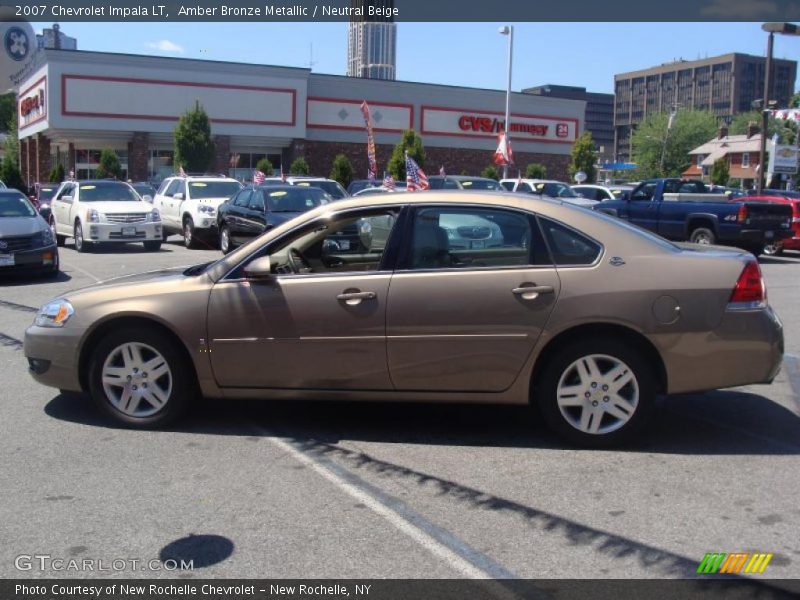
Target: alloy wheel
[773, 249]
[137, 379]
[597, 394]
[225, 240]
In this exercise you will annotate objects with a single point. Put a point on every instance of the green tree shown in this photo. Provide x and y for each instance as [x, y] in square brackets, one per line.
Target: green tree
[109, 164]
[795, 101]
[9, 169]
[299, 167]
[8, 109]
[342, 170]
[194, 149]
[720, 172]
[491, 172]
[265, 167]
[786, 130]
[57, 174]
[583, 157]
[411, 143]
[660, 152]
[535, 171]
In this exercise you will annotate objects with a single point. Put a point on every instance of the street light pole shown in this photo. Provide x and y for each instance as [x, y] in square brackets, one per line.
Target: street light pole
[509, 31]
[762, 149]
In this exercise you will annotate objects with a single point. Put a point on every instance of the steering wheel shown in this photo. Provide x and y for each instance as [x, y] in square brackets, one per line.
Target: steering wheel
[297, 262]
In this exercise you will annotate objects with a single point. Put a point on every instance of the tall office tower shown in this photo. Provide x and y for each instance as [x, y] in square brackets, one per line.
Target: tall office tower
[372, 42]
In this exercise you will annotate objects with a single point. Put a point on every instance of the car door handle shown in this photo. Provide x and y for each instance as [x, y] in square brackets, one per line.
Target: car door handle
[532, 292]
[355, 298]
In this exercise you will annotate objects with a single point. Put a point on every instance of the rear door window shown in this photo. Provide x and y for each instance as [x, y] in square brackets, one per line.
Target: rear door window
[568, 246]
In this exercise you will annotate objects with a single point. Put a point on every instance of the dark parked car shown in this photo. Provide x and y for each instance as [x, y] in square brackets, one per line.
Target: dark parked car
[145, 190]
[26, 241]
[254, 210]
[43, 194]
[362, 184]
[464, 182]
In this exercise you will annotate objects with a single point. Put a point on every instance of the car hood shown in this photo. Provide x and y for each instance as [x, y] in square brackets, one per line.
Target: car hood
[113, 207]
[16, 226]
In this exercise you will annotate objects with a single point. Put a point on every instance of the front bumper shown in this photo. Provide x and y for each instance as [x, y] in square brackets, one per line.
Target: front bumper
[52, 354]
[122, 232]
[746, 348]
[208, 222]
[29, 260]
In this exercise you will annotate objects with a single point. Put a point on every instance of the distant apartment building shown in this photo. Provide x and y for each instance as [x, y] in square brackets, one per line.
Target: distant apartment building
[372, 42]
[599, 118]
[53, 38]
[726, 85]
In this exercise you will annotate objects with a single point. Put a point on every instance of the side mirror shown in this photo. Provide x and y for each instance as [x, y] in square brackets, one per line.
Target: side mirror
[178, 196]
[259, 270]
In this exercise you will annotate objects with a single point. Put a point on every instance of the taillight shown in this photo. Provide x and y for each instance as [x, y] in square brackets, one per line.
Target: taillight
[750, 287]
[741, 216]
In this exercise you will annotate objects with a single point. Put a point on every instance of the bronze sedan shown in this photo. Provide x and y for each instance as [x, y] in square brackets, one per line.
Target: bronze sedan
[584, 315]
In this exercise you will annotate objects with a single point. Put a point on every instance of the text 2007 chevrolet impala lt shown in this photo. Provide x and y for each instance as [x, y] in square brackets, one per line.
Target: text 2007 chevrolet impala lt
[587, 316]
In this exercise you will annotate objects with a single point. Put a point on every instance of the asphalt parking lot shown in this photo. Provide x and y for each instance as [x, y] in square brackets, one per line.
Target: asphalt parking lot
[315, 490]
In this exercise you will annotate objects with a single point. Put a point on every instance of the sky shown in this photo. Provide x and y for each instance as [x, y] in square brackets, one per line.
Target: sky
[467, 54]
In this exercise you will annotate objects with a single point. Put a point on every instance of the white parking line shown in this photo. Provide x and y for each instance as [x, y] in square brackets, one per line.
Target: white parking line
[468, 562]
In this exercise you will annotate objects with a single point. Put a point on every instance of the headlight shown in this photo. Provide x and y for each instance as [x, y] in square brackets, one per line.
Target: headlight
[92, 216]
[54, 314]
[205, 208]
[154, 216]
[47, 237]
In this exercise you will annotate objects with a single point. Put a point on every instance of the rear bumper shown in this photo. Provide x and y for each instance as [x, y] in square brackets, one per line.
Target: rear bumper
[746, 348]
[762, 236]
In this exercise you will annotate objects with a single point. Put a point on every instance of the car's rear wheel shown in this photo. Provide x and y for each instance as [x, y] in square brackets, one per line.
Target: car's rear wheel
[597, 393]
[189, 238]
[81, 245]
[225, 239]
[773, 249]
[140, 377]
[702, 235]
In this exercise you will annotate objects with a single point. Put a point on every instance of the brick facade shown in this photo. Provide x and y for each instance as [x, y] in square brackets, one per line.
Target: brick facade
[320, 157]
[138, 155]
[44, 162]
[222, 154]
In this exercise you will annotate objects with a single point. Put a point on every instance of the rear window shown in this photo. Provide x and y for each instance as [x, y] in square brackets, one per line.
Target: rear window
[567, 246]
[331, 187]
[480, 184]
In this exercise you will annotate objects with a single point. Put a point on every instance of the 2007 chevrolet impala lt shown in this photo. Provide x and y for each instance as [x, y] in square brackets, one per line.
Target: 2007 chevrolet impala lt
[587, 316]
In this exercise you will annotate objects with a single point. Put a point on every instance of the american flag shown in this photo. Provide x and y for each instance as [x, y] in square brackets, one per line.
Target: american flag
[415, 177]
[258, 177]
[181, 172]
[388, 181]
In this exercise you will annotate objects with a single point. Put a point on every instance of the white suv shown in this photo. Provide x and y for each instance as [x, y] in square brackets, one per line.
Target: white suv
[188, 205]
[103, 210]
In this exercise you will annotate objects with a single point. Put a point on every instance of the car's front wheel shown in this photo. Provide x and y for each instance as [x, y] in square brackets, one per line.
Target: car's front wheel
[189, 237]
[81, 245]
[703, 235]
[140, 377]
[597, 393]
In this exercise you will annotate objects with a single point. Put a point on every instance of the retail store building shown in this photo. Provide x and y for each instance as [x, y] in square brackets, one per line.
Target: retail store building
[79, 103]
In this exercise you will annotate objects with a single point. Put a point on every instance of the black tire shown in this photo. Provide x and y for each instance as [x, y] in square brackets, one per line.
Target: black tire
[184, 384]
[81, 245]
[773, 249]
[164, 234]
[225, 240]
[560, 365]
[152, 245]
[703, 235]
[189, 237]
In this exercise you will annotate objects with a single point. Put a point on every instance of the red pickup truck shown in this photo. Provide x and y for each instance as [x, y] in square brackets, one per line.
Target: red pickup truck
[792, 199]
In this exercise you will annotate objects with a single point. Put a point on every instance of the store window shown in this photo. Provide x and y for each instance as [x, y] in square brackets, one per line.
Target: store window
[160, 165]
[87, 161]
[745, 159]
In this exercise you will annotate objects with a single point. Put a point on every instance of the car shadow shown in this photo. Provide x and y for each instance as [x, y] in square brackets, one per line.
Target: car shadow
[717, 423]
[779, 260]
[27, 279]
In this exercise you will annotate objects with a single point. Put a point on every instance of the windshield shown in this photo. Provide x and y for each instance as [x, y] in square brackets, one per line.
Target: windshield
[213, 189]
[297, 199]
[555, 190]
[481, 184]
[334, 189]
[107, 191]
[46, 192]
[15, 205]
